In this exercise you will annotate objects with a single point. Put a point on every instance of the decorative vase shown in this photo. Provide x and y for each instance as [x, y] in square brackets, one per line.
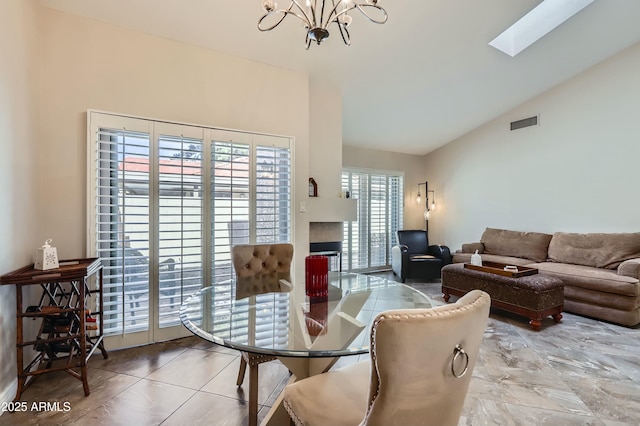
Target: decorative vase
[316, 277]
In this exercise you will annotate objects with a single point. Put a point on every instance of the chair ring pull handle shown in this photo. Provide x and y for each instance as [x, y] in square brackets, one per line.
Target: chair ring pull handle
[457, 352]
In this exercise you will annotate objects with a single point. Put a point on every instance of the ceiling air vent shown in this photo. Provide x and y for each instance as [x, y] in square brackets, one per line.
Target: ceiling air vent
[525, 122]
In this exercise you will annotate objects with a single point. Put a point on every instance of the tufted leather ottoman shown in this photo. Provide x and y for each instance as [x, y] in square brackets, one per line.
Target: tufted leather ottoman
[534, 296]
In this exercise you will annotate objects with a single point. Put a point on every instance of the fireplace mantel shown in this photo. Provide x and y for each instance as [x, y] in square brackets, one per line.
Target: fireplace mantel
[327, 209]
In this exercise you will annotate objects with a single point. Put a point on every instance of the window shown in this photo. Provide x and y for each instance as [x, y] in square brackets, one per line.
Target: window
[233, 188]
[167, 202]
[368, 241]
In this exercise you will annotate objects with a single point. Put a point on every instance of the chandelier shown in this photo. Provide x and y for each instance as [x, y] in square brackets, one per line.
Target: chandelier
[317, 15]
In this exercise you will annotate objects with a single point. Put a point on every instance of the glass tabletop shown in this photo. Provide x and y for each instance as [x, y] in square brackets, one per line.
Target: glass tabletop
[286, 322]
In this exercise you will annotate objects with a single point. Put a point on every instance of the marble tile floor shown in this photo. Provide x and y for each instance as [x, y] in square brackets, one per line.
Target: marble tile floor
[578, 372]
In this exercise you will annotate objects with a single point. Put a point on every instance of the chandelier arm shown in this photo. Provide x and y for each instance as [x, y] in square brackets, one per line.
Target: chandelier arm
[334, 14]
[310, 22]
[344, 32]
[361, 7]
[304, 19]
[307, 41]
[284, 15]
[315, 2]
[333, 10]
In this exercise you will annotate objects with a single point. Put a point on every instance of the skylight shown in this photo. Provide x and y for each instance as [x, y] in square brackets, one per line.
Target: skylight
[535, 24]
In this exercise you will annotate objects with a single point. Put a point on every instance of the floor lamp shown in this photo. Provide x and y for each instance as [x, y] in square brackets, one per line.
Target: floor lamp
[428, 208]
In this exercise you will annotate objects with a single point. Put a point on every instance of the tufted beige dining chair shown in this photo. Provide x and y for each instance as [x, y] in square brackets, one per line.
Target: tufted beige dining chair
[421, 364]
[260, 268]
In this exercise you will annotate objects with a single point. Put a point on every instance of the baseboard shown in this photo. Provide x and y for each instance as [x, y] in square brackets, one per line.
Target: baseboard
[9, 393]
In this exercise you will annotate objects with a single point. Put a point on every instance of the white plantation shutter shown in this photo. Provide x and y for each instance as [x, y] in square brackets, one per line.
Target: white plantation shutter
[380, 196]
[273, 194]
[356, 242]
[230, 201]
[120, 220]
[378, 224]
[251, 193]
[180, 217]
[231, 187]
[396, 210]
[269, 328]
[167, 203]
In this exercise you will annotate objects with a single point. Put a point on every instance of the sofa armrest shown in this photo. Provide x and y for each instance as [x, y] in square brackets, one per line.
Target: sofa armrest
[441, 252]
[472, 247]
[400, 260]
[630, 268]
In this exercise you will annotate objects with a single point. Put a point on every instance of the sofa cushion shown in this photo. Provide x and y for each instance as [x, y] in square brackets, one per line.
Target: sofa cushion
[472, 247]
[597, 249]
[528, 245]
[628, 318]
[610, 300]
[591, 278]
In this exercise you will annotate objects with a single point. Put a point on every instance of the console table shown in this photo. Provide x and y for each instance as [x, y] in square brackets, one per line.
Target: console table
[68, 332]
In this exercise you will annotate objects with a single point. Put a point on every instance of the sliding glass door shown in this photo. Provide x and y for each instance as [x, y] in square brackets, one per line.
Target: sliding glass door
[167, 201]
[368, 241]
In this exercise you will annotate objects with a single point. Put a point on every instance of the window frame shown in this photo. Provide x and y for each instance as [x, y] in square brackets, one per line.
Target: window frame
[389, 239]
[97, 120]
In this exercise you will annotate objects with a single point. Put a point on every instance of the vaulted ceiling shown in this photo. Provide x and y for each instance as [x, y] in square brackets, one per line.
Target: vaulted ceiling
[419, 81]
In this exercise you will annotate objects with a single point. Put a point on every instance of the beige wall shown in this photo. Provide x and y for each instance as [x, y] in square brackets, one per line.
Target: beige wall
[325, 134]
[19, 171]
[90, 65]
[575, 172]
[55, 67]
[414, 172]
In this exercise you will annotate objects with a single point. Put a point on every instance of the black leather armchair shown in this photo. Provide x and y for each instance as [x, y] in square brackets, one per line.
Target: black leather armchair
[413, 257]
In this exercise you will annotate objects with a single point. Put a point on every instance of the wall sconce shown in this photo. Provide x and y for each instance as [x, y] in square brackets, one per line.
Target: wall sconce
[427, 210]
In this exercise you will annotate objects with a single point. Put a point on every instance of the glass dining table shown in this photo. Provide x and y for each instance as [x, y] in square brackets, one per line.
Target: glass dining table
[306, 334]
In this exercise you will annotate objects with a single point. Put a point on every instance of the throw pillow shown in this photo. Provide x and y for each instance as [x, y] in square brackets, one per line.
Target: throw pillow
[527, 245]
[599, 250]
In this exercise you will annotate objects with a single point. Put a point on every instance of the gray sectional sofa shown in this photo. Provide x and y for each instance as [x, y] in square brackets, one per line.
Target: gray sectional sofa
[600, 271]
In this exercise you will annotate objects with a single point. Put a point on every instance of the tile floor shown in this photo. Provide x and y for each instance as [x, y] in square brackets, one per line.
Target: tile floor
[578, 372]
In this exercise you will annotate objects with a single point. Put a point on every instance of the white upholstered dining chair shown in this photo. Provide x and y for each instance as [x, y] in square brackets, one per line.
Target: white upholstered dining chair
[419, 373]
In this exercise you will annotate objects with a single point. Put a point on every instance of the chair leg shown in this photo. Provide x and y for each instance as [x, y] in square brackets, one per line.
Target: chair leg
[243, 368]
[253, 394]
